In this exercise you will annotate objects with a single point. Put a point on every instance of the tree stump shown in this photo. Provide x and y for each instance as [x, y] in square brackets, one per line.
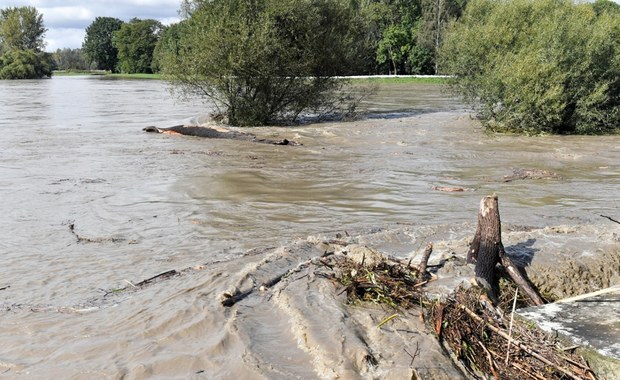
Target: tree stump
[487, 250]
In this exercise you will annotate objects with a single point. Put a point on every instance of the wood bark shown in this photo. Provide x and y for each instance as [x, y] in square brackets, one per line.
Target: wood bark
[427, 253]
[485, 246]
[487, 250]
[519, 276]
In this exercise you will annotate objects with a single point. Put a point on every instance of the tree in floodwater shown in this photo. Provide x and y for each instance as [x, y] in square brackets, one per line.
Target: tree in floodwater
[538, 66]
[21, 44]
[135, 42]
[263, 61]
[98, 47]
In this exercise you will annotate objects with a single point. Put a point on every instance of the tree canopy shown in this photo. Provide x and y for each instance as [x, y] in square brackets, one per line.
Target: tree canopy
[21, 44]
[263, 61]
[21, 28]
[98, 46]
[135, 42]
[538, 66]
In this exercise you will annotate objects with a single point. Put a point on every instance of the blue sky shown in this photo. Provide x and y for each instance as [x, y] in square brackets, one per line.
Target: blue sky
[66, 20]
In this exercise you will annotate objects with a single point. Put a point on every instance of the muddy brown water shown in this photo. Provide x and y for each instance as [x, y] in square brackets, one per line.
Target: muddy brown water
[72, 154]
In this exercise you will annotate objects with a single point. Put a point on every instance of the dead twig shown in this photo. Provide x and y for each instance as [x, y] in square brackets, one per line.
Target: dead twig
[492, 364]
[610, 218]
[415, 353]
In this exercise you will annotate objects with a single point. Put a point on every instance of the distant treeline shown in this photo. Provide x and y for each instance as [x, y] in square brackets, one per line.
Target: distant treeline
[393, 37]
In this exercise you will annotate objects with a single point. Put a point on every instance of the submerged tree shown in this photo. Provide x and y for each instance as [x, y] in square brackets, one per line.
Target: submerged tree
[544, 66]
[98, 46]
[263, 61]
[21, 44]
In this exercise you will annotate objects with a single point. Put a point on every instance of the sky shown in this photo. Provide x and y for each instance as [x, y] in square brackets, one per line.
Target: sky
[66, 20]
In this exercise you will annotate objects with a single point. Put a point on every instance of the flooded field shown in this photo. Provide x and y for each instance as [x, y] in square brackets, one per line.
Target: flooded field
[91, 205]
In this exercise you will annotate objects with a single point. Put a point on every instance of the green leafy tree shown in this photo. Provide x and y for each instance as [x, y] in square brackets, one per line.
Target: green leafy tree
[264, 61]
[394, 26]
[544, 66]
[435, 17]
[393, 48]
[21, 28]
[602, 6]
[169, 43]
[135, 42]
[25, 64]
[21, 44]
[98, 47]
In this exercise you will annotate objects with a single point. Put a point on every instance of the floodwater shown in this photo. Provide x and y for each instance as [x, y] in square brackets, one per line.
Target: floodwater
[91, 204]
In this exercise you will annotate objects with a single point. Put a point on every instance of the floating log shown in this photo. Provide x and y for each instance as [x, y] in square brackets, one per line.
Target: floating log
[216, 133]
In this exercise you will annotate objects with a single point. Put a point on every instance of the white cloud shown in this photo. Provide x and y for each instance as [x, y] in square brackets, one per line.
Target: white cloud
[66, 20]
[66, 16]
[59, 38]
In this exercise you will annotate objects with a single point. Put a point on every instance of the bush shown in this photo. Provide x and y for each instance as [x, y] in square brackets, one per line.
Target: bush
[25, 64]
[262, 61]
[538, 66]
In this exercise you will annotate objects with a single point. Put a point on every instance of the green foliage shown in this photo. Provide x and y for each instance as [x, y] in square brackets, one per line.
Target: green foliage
[25, 64]
[393, 47]
[436, 16]
[98, 47]
[169, 43]
[538, 66]
[263, 61]
[21, 28]
[601, 6]
[392, 26]
[406, 33]
[70, 59]
[135, 42]
[21, 45]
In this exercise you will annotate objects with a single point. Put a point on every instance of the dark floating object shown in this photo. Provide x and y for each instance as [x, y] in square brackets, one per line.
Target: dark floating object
[214, 133]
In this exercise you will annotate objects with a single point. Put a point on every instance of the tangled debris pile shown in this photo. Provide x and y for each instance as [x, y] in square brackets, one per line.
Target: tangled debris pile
[475, 324]
[387, 282]
[487, 343]
[482, 339]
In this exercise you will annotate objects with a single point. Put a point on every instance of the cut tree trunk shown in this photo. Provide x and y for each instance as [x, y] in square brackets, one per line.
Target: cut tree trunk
[487, 250]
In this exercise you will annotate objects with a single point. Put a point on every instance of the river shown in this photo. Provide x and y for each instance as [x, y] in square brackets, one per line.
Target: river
[91, 204]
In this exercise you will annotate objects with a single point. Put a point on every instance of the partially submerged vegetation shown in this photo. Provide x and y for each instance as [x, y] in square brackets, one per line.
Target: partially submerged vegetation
[544, 66]
[264, 62]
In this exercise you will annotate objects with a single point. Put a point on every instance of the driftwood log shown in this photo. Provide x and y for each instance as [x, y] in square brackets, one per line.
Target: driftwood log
[216, 133]
[487, 251]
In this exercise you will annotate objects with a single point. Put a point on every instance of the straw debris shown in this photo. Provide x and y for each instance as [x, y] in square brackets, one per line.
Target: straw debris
[477, 334]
